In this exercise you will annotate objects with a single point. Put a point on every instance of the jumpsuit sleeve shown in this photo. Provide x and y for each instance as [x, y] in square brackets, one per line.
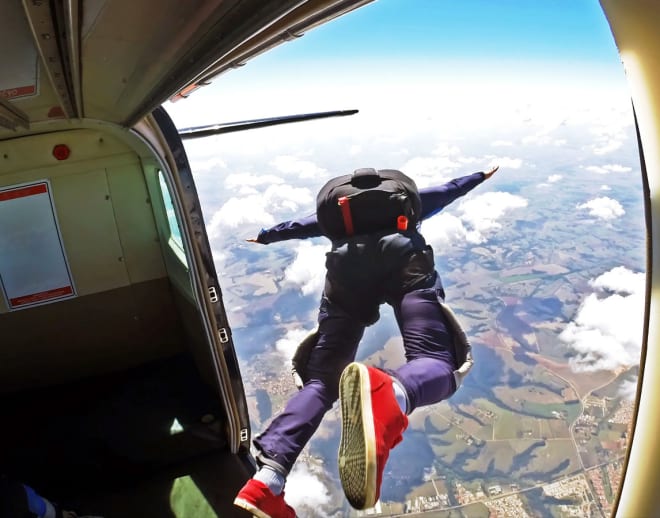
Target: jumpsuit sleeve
[434, 199]
[302, 228]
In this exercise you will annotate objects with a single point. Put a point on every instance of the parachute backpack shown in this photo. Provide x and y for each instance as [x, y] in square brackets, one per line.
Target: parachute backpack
[368, 201]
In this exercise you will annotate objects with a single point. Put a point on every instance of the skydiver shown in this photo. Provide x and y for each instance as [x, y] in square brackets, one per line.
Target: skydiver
[374, 404]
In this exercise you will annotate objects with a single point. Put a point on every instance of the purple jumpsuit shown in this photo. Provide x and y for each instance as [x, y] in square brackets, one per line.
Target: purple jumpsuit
[362, 273]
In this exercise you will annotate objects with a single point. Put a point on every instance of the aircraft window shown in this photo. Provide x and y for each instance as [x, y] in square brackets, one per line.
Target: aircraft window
[175, 241]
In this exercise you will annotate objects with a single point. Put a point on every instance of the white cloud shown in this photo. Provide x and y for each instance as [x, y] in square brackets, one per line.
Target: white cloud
[297, 166]
[504, 162]
[605, 188]
[478, 218]
[628, 390]
[607, 330]
[617, 168]
[543, 140]
[446, 149]
[288, 198]
[621, 280]
[200, 164]
[443, 229]
[258, 208]
[308, 268]
[246, 184]
[502, 143]
[553, 178]
[482, 212]
[219, 257]
[536, 139]
[304, 489]
[355, 150]
[546, 120]
[288, 344]
[470, 160]
[438, 168]
[447, 161]
[609, 168]
[610, 132]
[239, 211]
[236, 180]
[603, 208]
[607, 146]
[427, 171]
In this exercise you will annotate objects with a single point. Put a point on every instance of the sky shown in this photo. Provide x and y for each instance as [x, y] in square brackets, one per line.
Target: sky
[439, 46]
[443, 88]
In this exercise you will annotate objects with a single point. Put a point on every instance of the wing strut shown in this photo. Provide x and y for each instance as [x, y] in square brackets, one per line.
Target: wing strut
[230, 127]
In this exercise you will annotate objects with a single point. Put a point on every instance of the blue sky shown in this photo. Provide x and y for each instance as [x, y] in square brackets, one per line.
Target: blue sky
[419, 49]
[479, 30]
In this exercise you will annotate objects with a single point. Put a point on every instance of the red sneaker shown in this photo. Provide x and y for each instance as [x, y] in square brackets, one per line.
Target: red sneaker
[372, 424]
[261, 502]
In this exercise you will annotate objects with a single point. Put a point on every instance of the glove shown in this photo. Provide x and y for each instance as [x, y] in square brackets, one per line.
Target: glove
[462, 371]
[301, 357]
[462, 346]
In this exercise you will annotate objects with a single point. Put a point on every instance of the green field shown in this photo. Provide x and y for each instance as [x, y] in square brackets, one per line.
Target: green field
[554, 429]
[497, 454]
[570, 410]
[521, 277]
[509, 425]
[551, 456]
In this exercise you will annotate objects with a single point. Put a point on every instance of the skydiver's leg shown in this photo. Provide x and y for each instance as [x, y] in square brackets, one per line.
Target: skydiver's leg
[338, 337]
[428, 375]
[373, 413]
[283, 440]
[374, 403]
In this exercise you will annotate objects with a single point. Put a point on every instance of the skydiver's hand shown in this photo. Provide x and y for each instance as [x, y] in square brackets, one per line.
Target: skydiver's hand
[252, 240]
[491, 172]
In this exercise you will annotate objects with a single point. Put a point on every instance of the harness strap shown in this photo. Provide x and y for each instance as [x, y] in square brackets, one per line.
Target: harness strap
[344, 205]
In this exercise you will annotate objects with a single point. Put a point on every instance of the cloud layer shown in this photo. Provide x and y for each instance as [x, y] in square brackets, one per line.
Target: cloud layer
[288, 344]
[603, 208]
[607, 331]
[478, 218]
[308, 268]
[258, 205]
[305, 490]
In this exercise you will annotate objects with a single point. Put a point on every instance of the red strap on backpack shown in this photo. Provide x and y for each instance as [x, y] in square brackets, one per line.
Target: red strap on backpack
[344, 205]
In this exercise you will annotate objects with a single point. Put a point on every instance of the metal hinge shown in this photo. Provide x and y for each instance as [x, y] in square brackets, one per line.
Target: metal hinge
[213, 294]
[223, 334]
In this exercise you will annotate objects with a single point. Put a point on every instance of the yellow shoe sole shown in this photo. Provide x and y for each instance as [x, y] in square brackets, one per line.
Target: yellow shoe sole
[357, 447]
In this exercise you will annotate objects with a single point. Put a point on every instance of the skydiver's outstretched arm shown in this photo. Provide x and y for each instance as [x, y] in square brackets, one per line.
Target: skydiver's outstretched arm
[434, 199]
[491, 172]
[294, 229]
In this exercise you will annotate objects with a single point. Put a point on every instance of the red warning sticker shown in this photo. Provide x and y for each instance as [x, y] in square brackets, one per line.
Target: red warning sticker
[19, 91]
